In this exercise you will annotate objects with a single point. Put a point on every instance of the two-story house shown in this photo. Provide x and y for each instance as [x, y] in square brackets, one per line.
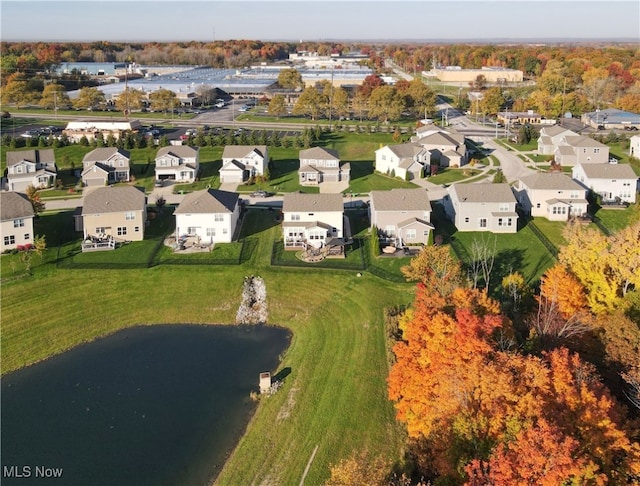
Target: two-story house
[16, 220]
[241, 162]
[311, 219]
[482, 207]
[574, 150]
[551, 137]
[318, 165]
[105, 165]
[179, 163]
[551, 195]
[447, 146]
[401, 215]
[613, 182]
[116, 212]
[405, 160]
[634, 146]
[210, 215]
[35, 168]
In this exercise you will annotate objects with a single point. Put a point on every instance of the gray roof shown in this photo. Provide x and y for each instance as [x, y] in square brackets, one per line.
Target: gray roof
[208, 201]
[180, 151]
[483, 192]
[554, 130]
[240, 151]
[233, 165]
[103, 153]
[14, 205]
[318, 153]
[45, 156]
[551, 181]
[404, 150]
[582, 141]
[609, 171]
[298, 202]
[401, 200]
[440, 139]
[409, 221]
[113, 199]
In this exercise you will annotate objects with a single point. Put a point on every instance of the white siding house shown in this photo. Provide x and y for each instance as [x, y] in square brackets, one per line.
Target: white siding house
[16, 215]
[209, 214]
[613, 182]
[482, 207]
[406, 160]
[551, 195]
[318, 165]
[240, 162]
[312, 219]
[179, 163]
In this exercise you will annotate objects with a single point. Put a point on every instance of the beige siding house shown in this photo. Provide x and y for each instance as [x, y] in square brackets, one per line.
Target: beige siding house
[551, 137]
[446, 146]
[209, 215]
[35, 168]
[105, 165]
[241, 162]
[318, 165]
[574, 150]
[311, 220]
[178, 163]
[116, 212]
[613, 182]
[482, 207]
[551, 195]
[16, 215]
[634, 146]
[401, 215]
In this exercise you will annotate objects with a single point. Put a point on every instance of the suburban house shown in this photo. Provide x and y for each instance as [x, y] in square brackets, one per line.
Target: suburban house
[551, 195]
[318, 165]
[241, 162]
[447, 147]
[613, 182]
[634, 146]
[482, 207]
[551, 137]
[178, 163]
[116, 213]
[579, 149]
[105, 165]
[35, 168]
[75, 130]
[405, 160]
[311, 220]
[209, 215]
[401, 215]
[16, 220]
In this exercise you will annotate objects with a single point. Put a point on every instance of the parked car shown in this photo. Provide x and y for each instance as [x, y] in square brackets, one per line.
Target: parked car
[159, 183]
[260, 194]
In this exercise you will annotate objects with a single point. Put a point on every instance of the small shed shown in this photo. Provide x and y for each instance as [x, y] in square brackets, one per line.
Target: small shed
[265, 382]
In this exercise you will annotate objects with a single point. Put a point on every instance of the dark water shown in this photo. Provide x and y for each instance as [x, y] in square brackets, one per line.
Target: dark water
[158, 405]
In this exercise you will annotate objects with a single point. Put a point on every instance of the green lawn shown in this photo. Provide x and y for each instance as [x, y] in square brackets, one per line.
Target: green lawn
[616, 219]
[552, 230]
[450, 175]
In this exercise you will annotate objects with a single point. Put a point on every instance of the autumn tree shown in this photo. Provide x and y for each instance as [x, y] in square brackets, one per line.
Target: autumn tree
[483, 257]
[311, 103]
[369, 84]
[436, 268]
[88, 98]
[277, 106]
[129, 99]
[385, 104]
[163, 100]
[54, 96]
[360, 468]
[423, 98]
[34, 198]
[20, 93]
[340, 102]
[290, 79]
[493, 101]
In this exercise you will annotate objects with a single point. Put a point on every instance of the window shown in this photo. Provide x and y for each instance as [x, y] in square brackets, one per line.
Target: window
[27, 236]
[129, 216]
[100, 230]
[218, 218]
[466, 220]
[121, 163]
[136, 229]
[538, 205]
[162, 162]
[122, 230]
[10, 240]
[332, 163]
[509, 221]
[384, 157]
[18, 169]
[18, 223]
[390, 230]
[410, 234]
[483, 222]
[191, 230]
[211, 231]
[295, 217]
[499, 221]
[596, 150]
[503, 207]
[225, 231]
[425, 232]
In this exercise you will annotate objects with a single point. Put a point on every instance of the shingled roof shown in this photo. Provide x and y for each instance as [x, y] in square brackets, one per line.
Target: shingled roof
[113, 199]
[208, 201]
[14, 205]
[297, 202]
[401, 200]
[45, 156]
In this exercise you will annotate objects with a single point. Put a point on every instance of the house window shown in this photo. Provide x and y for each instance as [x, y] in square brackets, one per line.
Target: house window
[466, 220]
[18, 223]
[218, 218]
[384, 157]
[503, 207]
[136, 229]
[191, 230]
[129, 216]
[425, 232]
[538, 205]
[499, 221]
[18, 169]
[100, 230]
[390, 230]
[225, 231]
[121, 163]
[10, 240]
[332, 163]
[483, 222]
[410, 234]
[509, 221]
[295, 217]
[211, 231]
[122, 230]
[596, 150]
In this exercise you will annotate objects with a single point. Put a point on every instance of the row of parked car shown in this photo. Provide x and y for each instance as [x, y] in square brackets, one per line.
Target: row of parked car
[41, 132]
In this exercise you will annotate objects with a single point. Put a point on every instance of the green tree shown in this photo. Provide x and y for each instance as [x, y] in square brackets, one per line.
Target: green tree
[311, 103]
[493, 101]
[277, 106]
[89, 98]
[129, 99]
[423, 98]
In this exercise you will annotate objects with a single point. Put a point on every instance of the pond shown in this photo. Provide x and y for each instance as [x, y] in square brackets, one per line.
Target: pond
[151, 405]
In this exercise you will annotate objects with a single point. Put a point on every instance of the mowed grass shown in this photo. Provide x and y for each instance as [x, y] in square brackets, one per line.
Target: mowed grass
[334, 396]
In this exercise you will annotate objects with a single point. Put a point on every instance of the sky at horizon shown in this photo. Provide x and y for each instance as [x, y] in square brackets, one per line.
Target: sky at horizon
[269, 20]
